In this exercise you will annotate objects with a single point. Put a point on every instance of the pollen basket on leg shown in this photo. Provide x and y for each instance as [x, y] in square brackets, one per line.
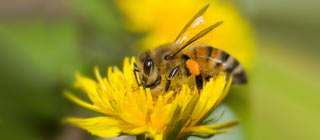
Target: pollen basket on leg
[193, 67]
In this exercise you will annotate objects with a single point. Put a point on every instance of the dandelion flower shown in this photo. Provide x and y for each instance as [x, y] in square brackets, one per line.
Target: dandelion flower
[129, 109]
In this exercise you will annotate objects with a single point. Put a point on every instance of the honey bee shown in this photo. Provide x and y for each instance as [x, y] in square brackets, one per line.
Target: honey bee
[172, 63]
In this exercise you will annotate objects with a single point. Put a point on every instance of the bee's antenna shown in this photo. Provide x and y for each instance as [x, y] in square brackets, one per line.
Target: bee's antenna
[191, 21]
[197, 36]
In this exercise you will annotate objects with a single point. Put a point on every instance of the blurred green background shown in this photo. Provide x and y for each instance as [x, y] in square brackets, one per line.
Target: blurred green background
[43, 43]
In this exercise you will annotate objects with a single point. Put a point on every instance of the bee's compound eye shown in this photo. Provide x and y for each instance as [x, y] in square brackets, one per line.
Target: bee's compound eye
[166, 57]
[147, 66]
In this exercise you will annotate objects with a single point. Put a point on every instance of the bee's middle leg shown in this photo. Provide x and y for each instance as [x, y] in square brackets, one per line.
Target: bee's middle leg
[171, 75]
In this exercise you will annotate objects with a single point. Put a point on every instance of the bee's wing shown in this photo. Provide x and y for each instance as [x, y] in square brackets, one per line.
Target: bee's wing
[195, 21]
[193, 31]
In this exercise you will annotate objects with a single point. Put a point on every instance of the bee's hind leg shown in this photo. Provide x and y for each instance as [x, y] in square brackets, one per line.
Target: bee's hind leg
[171, 75]
[199, 82]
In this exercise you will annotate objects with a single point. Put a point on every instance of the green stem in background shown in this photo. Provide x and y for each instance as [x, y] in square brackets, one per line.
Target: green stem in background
[142, 137]
[184, 138]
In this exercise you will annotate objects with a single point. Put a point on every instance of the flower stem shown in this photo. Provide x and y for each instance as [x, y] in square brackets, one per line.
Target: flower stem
[142, 137]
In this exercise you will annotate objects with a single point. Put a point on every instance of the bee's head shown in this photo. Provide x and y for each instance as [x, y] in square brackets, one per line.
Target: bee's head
[148, 74]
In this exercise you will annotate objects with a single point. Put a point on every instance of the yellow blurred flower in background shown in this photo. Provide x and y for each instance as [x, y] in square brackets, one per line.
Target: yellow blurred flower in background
[162, 20]
[129, 109]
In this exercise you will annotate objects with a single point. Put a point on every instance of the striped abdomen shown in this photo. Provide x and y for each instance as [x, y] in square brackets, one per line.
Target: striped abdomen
[213, 60]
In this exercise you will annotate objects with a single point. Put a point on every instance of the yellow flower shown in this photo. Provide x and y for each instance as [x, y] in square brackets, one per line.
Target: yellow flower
[126, 108]
[162, 20]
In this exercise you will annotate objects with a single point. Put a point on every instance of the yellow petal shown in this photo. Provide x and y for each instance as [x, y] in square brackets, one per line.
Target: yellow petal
[90, 87]
[136, 131]
[101, 126]
[224, 125]
[200, 129]
[158, 137]
[82, 103]
[205, 130]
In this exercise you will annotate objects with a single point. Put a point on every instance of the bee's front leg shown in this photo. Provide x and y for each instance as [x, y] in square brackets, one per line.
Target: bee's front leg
[171, 75]
[135, 70]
